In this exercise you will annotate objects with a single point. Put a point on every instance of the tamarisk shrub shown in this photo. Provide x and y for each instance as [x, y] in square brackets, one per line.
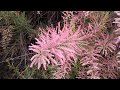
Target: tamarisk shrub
[55, 48]
[82, 36]
[117, 22]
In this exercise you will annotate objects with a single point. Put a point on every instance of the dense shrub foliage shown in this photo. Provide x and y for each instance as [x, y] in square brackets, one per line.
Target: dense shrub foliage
[63, 45]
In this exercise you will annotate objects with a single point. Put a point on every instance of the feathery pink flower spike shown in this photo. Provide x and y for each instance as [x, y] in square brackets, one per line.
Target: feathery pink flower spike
[55, 48]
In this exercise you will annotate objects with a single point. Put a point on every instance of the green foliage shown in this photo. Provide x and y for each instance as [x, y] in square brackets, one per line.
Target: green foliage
[30, 73]
[103, 18]
[16, 25]
[75, 69]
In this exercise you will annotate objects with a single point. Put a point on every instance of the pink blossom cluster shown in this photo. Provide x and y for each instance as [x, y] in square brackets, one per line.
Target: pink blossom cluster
[80, 36]
[117, 21]
[55, 48]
